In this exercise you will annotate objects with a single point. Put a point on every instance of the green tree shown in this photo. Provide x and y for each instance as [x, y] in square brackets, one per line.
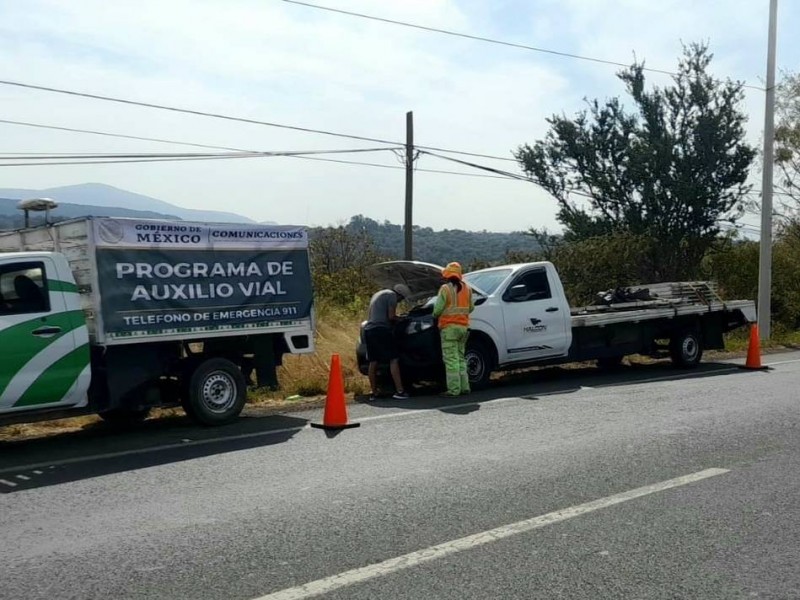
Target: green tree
[668, 172]
[339, 258]
[787, 141]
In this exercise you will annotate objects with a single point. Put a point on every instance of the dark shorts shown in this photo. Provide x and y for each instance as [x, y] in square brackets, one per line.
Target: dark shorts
[381, 345]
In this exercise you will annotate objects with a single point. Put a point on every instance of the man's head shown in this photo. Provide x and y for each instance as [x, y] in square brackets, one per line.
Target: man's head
[452, 269]
[402, 290]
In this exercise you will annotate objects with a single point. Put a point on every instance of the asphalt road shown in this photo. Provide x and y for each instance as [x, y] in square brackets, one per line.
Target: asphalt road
[642, 484]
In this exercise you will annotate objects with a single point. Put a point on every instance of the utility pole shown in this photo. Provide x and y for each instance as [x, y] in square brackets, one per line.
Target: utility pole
[409, 254]
[765, 254]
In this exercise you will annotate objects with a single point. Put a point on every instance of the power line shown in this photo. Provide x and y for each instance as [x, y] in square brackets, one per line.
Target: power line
[478, 38]
[505, 174]
[73, 159]
[463, 153]
[132, 160]
[116, 135]
[366, 164]
[189, 111]
[209, 146]
[244, 153]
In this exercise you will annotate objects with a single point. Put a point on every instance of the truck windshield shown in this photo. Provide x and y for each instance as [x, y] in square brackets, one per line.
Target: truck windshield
[487, 281]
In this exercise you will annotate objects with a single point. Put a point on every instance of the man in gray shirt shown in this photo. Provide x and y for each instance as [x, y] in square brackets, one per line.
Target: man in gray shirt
[379, 337]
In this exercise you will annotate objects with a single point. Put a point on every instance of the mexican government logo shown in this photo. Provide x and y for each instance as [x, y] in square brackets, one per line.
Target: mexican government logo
[110, 231]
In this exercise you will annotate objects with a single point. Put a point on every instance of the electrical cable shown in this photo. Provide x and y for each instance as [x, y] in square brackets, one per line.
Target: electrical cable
[478, 38]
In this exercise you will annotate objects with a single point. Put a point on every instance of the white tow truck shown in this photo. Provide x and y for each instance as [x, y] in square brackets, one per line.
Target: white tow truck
[522, 318]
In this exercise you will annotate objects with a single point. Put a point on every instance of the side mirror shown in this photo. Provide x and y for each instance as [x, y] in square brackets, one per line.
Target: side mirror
[480, 300]
[517, 292]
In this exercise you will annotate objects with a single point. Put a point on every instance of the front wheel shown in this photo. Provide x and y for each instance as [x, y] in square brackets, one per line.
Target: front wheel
[479, 364]
[217, 392]
[686, 349]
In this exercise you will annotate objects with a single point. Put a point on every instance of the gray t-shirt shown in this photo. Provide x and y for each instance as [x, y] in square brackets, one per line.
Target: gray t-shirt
[379, 306]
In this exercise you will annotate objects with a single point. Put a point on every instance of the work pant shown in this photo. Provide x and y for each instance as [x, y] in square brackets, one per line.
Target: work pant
[454, 344]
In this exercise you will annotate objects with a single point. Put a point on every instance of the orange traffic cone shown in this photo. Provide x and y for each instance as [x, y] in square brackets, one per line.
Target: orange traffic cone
[754, 351]
[335, 416]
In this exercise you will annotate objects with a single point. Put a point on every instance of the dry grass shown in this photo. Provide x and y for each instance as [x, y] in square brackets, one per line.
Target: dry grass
[306, 375]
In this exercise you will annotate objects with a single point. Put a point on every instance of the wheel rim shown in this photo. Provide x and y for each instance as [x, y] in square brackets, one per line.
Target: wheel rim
[476, 365]
[219, 392]
[690, 348]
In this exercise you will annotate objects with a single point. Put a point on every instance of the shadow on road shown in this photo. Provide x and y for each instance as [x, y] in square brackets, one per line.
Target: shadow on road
[96, 451]
[531, 384]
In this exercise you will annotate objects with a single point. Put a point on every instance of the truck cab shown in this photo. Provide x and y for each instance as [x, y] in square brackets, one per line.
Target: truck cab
[43, 335]
[525, 312]
[521, 315]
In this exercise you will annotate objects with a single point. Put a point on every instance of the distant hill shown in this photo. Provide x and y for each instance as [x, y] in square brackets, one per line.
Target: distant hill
[470, 248]
[11, 217]
[101, 195]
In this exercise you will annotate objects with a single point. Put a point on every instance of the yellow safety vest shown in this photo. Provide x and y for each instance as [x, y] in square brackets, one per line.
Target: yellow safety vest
[457, 305]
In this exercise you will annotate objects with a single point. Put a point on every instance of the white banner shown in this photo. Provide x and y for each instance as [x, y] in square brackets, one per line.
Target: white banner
[187, 235]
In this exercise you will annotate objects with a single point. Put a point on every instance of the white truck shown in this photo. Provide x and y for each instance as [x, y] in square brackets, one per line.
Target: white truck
[522, 318]
[117, 316]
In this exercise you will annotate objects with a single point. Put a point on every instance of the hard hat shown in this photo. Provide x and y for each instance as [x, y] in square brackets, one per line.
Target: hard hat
[452, 269]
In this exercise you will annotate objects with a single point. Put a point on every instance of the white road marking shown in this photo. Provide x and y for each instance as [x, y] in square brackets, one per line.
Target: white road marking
[392, 565]
[8, 483]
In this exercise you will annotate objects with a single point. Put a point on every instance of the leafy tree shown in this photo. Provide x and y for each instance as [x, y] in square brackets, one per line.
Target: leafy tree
[668, 172]
[596, 264]
[339, 258]
[787, 141]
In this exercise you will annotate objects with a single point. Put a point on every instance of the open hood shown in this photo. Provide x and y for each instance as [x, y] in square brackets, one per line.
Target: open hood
[423, 279]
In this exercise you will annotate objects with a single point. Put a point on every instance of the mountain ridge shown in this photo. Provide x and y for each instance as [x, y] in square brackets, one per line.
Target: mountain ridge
[106, 196]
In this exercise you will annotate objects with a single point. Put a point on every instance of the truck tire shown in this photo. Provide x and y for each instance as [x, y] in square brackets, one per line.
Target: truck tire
[480, 363]
[121, 418]
[686, 349]
[217, 392]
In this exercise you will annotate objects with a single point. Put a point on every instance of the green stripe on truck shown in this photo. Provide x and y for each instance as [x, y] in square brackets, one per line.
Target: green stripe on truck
[20, 345]
[54, 285]
[52, 385]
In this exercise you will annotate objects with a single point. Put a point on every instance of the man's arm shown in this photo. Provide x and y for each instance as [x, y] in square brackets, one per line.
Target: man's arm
[441, 302]
[393, 310]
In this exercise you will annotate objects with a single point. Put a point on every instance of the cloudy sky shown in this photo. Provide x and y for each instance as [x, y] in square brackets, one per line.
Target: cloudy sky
[269, 60]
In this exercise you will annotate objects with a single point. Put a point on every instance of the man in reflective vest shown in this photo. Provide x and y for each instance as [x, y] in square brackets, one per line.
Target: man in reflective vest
[452, 308]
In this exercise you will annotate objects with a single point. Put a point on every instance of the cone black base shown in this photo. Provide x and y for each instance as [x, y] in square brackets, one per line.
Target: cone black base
[334, 427]
[762, 368]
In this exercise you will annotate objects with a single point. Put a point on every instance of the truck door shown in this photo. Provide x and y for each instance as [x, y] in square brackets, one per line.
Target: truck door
[535, 323]
[44, 351]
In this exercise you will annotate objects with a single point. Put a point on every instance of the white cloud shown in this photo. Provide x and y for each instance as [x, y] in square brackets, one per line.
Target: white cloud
[278, 62]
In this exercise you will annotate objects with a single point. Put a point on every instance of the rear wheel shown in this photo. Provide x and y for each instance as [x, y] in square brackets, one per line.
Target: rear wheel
[686, 349]
[217, 392]
[480, 363]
